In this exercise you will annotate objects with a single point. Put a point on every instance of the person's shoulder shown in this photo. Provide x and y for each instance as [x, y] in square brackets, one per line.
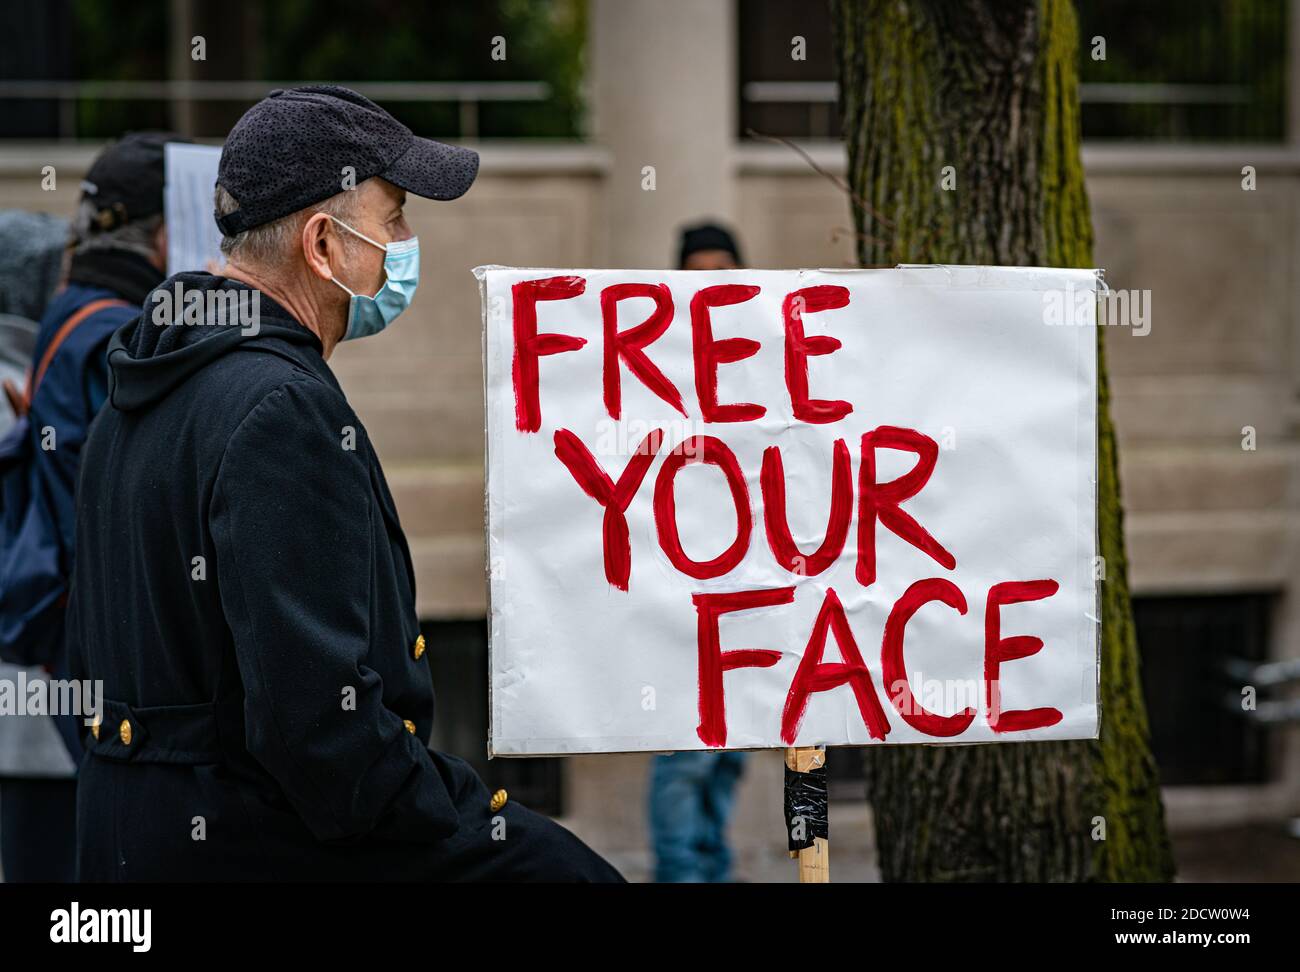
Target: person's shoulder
[295, 423]
[252, 369]
[103, 312]
[279, 391]
[66, 355]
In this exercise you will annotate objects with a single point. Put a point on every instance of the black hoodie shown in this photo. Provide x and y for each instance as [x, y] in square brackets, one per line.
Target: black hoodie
[243, 589]
[146, 362]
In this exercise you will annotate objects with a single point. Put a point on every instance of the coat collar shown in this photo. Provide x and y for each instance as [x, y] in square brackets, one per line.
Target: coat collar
[121, 271]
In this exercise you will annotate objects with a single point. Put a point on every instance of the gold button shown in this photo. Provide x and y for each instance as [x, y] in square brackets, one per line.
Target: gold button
[124, 731]
[410, 726]
[418, 650]
[498, 800]
[94, 727]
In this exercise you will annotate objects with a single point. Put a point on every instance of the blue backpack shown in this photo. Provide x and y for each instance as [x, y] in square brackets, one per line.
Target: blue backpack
[37, 491]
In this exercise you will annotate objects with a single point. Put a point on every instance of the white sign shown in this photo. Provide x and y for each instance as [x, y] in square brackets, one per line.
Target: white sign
[755, 508]
[193, 240]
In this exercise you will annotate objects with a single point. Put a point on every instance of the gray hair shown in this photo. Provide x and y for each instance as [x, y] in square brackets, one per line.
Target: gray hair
[137, 236]
[272, 242]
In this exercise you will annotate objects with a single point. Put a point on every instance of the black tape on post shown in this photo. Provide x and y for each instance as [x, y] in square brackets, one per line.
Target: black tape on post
[806, 807]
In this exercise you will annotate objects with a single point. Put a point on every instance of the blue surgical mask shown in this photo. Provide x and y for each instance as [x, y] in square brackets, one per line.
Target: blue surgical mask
[370, 315]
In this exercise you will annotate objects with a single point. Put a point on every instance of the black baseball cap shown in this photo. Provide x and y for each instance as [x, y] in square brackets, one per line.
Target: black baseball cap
[125, 182]
[291, 150]
[707, 236]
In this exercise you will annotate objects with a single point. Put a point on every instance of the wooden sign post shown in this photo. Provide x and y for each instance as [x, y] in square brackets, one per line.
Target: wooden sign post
[814, 860]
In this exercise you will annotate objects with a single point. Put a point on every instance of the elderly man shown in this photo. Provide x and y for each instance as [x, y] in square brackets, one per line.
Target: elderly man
[242, 586]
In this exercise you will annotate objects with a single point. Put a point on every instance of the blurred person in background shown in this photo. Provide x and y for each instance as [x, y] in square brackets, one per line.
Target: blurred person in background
[692, 792]
[38, 792]
[55, 378]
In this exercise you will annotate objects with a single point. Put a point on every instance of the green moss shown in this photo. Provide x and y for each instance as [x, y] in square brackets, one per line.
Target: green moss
[924, 87]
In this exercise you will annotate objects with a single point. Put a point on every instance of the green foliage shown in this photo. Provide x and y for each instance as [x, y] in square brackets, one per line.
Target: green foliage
[1241, 43]
[408, 40]
[118, 40]
[343, 40]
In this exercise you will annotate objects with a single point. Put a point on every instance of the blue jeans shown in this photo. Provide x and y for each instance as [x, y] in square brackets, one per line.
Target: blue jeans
[691, 794]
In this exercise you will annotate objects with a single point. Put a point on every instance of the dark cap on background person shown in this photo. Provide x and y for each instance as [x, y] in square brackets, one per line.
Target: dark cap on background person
[300, 146]
[125, 182]
[707, 237]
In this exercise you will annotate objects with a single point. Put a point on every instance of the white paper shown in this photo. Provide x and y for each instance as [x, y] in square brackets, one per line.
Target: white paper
[193, 240]
[971, 357]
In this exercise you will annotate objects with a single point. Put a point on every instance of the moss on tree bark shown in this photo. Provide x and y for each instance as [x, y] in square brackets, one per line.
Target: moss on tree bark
[990, 88]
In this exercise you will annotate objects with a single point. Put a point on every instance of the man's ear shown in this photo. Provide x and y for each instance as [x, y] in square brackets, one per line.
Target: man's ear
[320, 246]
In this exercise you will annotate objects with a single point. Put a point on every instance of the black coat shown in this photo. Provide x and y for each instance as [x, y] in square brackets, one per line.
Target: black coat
[244, 591]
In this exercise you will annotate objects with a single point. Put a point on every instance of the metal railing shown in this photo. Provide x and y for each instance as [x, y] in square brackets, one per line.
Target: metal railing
[819, 95]
[467, 94]
[1265, 676]
[816, 92]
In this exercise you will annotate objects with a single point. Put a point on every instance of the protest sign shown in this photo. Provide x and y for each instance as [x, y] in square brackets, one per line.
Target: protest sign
[193, 240]
[757, 508]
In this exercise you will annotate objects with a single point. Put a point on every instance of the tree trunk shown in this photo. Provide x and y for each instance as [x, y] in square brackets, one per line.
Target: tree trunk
[990, 88]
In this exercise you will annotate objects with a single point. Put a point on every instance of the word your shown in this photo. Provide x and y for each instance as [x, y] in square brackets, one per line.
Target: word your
[877, 502]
